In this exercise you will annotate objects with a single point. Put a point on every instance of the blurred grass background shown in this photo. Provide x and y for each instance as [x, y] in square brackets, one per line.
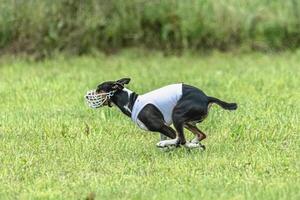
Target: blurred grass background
[41, 27]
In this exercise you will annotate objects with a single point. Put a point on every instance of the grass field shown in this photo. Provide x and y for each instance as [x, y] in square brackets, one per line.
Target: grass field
[54, 147]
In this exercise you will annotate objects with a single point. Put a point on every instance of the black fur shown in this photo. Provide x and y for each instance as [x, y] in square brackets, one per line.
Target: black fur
[225, 105]
[191, 109]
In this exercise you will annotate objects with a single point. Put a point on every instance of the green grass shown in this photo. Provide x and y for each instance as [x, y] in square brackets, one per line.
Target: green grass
[47, 152]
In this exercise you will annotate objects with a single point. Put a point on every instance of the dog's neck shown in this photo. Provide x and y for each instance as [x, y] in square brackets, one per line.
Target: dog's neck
[124, 99]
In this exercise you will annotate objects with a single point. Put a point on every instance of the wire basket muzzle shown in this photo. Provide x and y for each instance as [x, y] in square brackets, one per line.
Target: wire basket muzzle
[96, 100]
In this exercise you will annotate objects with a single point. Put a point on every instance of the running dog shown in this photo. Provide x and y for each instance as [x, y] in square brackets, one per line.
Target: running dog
[179, 104]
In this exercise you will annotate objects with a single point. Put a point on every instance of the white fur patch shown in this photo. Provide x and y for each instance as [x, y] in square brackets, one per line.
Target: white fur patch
[195, 140]
[192, 145]
[129, 92]
[166, 143]
[126, 108]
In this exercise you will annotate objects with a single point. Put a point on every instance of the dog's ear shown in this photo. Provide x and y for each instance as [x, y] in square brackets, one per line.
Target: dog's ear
[123, 81]
[117, 86]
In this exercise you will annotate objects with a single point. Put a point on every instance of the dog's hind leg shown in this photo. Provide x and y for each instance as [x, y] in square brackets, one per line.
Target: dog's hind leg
[179, 128]
[197, 132]
[181, 139]
[199, 135]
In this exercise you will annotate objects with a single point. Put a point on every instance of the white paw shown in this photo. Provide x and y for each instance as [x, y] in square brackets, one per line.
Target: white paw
[195, 140]
[192, 145]
[166, 143]
[167, 148]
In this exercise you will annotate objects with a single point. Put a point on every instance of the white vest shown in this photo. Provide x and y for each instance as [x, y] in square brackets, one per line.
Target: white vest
[165, 99]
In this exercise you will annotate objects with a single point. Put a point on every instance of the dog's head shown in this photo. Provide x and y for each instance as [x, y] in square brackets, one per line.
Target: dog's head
[102, 95]
[112, 86]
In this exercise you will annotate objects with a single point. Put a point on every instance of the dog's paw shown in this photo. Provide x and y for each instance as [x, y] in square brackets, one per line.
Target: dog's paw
[163, 144]
[191, 145]
[166, 143]
[195, 140]
[167, 148]
[160, 144]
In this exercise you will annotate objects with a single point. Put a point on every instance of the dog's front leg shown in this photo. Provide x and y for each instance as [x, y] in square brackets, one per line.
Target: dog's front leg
[167, 132]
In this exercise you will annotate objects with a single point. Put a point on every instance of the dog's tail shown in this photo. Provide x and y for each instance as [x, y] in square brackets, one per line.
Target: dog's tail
[223, 104]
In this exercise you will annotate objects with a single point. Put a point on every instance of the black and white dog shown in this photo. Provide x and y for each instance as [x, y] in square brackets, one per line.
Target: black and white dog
[179, 104]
